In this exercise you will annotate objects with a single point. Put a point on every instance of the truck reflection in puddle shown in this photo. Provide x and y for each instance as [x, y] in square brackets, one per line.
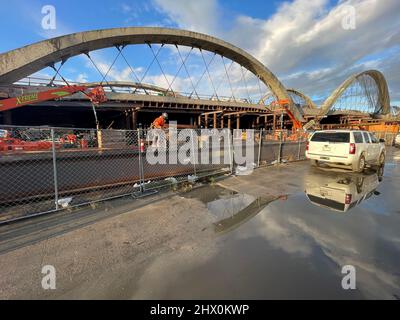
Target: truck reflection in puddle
[341, 191]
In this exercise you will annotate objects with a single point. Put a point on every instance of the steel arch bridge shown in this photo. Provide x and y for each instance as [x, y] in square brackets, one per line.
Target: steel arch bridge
[365, 92]
[25, 61]
[299, 98]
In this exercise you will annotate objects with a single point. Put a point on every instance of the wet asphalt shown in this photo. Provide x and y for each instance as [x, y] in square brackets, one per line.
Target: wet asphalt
[285, 232]
[299, 246]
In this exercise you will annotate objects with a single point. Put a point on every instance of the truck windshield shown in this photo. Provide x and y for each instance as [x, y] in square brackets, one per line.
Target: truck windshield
[331, 137]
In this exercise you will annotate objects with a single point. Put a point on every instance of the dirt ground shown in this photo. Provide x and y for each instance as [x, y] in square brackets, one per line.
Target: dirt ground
[114, 257]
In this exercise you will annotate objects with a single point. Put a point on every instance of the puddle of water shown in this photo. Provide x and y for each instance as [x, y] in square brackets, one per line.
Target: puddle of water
[241, 213]
[297, 248]
[294, 250]
[209, 193]
[226, 208]
[229, 208]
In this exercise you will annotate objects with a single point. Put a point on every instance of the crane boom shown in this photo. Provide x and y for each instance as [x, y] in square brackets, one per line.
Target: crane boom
[296, 123]
[96, 95]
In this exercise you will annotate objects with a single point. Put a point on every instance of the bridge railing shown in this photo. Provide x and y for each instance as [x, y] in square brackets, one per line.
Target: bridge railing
[45, 82]
[46, 169]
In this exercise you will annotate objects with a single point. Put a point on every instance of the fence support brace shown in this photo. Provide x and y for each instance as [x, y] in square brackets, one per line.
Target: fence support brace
[53, 149]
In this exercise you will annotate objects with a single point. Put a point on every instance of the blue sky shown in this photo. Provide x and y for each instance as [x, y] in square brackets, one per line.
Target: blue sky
[301, 41]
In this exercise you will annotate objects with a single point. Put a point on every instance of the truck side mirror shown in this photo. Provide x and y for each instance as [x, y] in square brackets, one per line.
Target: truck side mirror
[382, 140]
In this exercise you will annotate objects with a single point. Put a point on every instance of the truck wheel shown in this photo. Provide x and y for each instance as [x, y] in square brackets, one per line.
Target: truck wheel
[381, 159]
[359, 184]
[314, 163]
[360, 165]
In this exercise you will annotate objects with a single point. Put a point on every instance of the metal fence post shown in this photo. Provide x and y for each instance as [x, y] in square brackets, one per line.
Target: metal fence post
[53, 149]
[259, 147]
[141, 171]
[193, 152]
[280, 147]
[299, 147]
[230, 150]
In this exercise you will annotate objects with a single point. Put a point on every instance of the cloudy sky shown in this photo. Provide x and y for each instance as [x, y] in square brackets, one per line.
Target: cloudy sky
[310, 45]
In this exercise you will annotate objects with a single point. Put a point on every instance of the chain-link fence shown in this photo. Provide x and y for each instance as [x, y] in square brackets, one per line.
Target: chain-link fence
[47, 169]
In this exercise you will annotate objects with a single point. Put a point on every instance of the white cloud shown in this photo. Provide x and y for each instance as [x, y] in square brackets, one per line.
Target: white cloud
[82, 78]
[304, 42]
[199, 16]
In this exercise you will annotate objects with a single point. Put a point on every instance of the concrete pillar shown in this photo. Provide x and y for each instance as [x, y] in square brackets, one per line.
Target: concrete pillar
[206, 121]
[134, 119]
[238, 121]
[127, 120]
[199, 121]
[229, 122]
[274, 122]
[7, 118]
[222, 121]
[215, 121]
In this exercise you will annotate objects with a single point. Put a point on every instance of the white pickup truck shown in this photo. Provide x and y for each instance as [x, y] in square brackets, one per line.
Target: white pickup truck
[346, 148]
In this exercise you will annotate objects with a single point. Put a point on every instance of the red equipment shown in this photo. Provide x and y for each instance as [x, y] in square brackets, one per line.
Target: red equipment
[285, 104]
[96, 96]
[8, 143]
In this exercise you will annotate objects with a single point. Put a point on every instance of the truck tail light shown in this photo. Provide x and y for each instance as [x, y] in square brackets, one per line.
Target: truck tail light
[347, 199]
[352, 148]
[308, 143]
[141, 146]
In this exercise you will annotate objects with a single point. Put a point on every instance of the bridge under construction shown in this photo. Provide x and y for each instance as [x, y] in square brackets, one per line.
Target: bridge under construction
[66, 143]
[234, 89]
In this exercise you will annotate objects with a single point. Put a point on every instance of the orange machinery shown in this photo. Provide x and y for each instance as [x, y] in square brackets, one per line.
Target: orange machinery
[9, 143]
[285, 105]
[96, 95]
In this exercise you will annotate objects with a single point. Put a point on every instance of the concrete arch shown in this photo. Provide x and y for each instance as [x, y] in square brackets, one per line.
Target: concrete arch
[310, 103]
[22, 62]
[377, 76]
[306, 98]
[266, 97]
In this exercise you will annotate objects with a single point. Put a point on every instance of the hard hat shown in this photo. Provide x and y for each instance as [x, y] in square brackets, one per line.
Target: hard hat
[165, 115]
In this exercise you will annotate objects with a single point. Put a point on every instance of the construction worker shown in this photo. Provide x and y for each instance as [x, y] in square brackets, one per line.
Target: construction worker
[158, 123]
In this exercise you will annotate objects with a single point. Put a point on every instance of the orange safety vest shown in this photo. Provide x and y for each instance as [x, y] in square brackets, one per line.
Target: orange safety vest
[159, 122]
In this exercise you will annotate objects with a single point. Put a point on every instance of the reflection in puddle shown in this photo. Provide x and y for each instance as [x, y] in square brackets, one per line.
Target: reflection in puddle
[233, 221]
[341, 191]
[291, 249]
[229, 208]
[226, 208]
